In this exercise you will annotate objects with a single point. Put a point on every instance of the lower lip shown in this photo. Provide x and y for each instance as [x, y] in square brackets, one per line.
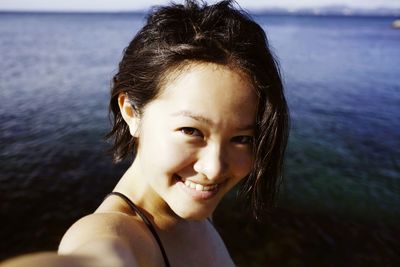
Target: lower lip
[197, 195]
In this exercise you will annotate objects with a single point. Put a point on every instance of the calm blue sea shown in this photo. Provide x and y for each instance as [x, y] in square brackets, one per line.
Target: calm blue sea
[342, 79]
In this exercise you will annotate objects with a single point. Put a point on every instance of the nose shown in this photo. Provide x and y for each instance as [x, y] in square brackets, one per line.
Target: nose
[211, 162]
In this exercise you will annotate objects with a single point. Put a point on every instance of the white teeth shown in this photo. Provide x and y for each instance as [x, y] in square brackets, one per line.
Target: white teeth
[199, 187]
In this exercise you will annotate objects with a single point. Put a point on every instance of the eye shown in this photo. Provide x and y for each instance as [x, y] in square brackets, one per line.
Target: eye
[191, 131]
[243, 140]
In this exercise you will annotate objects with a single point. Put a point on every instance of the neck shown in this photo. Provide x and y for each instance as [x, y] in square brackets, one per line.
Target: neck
[134, 185]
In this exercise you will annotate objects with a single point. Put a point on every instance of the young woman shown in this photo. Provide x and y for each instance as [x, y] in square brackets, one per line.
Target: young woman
[198, 105]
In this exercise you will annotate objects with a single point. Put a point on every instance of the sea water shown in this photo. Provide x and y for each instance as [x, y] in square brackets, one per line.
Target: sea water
[341, 77]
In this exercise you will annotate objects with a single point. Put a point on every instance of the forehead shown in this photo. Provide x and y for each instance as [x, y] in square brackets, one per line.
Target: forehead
[221, 93]
[206, 79]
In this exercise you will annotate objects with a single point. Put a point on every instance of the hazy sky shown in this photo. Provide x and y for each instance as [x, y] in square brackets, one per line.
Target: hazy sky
[127, 5]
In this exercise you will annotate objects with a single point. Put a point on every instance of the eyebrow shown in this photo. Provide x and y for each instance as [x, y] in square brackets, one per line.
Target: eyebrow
[196, 117]
[205, 120]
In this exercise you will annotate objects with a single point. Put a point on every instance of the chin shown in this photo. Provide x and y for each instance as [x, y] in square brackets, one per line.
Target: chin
[195, 215]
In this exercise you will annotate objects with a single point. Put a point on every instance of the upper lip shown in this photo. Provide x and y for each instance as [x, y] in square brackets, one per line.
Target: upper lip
[203, 184]
[197, 182]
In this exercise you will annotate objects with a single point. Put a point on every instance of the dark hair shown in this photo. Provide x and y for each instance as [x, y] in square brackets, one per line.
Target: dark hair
[177, 34]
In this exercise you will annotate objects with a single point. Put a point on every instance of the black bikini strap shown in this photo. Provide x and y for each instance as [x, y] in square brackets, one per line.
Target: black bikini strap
[146, 221]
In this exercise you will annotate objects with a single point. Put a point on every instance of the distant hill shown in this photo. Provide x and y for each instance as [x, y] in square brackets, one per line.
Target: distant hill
[337, 10]
[332, 10]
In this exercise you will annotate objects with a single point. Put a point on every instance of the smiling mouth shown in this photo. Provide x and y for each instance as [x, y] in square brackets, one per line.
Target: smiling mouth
[199, 187]
[196, 186]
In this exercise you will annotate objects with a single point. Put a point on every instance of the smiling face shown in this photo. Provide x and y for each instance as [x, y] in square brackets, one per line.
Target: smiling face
[195, 139]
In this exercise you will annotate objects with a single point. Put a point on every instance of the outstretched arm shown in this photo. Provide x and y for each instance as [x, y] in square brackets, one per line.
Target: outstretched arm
[86, 244]
[104, 252]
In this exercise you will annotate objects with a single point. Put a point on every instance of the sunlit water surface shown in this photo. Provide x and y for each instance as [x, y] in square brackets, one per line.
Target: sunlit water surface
[340, 203]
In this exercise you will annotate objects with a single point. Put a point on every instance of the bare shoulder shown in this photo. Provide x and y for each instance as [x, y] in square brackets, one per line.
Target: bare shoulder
[206, 247]
[221, 256]
[95, 225]
[111, 228]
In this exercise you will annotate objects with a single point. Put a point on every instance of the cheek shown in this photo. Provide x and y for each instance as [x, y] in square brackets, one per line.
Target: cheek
[172, 155]
[243, 164]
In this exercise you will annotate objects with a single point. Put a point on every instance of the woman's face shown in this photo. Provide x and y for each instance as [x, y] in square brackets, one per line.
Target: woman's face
[195, 139]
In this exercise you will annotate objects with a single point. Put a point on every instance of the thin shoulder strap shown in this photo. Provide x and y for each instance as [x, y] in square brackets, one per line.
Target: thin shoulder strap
[146, 221]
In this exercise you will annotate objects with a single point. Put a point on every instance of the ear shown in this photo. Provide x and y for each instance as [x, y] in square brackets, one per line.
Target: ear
[129, 114]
